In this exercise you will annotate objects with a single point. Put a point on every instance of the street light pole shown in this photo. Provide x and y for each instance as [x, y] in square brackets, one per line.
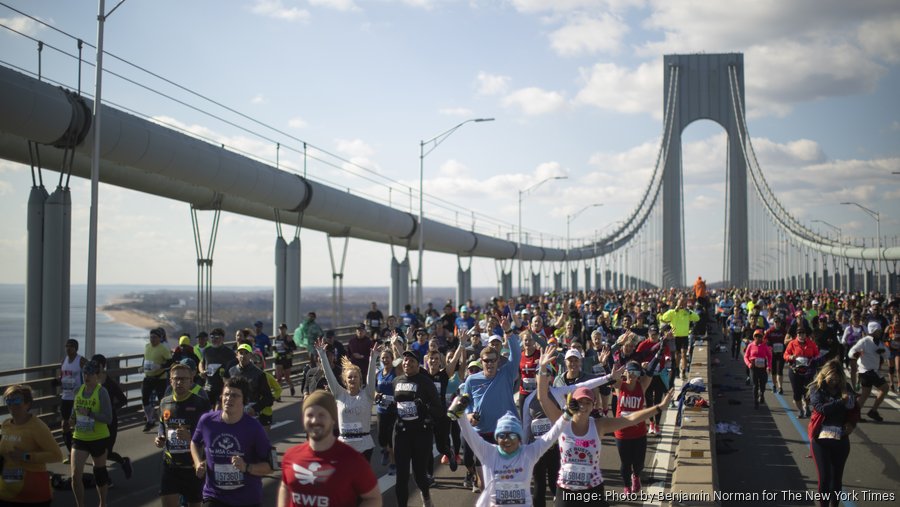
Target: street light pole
[522, 193]
[434, 142]
[569, 219]
[877, 216]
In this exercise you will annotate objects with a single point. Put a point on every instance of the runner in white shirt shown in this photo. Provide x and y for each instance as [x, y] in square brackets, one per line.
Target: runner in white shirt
[869, 353]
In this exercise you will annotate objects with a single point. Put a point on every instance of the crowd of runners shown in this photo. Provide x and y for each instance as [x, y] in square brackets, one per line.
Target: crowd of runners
[518, 392]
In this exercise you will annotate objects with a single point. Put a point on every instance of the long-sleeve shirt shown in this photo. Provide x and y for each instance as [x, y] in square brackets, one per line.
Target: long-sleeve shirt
[758, 355]
[33, 437]
[680, 319]
[354, 412]
[508, 478]
[533, 417]
[493, 397]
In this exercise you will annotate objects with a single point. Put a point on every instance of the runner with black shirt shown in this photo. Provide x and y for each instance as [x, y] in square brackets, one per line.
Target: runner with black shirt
[217, 359]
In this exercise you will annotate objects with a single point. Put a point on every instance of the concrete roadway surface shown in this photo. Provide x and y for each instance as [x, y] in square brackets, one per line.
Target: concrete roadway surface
[773, 453]
[142, 489]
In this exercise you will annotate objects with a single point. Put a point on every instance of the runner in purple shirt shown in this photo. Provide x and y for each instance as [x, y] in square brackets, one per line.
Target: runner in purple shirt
[237, 451]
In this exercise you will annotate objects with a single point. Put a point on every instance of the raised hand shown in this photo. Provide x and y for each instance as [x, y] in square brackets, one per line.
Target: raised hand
[548, 354]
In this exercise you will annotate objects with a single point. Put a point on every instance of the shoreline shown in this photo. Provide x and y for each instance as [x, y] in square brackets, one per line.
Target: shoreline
[133, 318]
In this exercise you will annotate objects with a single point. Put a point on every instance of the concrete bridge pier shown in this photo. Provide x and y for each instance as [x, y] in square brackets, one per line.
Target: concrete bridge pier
[536, 283]
[851, 279]
[607, 285]
[587, 278]
[399, 289]
[573, 277]
[558, 281]
[463, 281]
[278, 299]
[292, 289]
[56, 274]
[34, 275]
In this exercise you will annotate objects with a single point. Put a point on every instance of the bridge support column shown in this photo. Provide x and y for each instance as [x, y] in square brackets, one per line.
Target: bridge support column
[826, 281]
[573, 276]
[557, 281]
[807, 282]
[292, 288]
[869, 281]
[535, 284]
[622, 281]
[851, 279]
[607, 275]
[278, 298]
[463, 283]
[587, 278]
[399, 293]
[892, 282]
[56, 274]
[506, 284]
[598, 280]
[337, 279]
[34, 277]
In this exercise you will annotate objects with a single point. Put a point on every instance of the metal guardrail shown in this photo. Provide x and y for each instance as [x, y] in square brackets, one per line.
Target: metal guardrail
[124, 369]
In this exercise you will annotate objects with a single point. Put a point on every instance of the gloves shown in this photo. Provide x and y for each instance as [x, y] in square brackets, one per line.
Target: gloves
[457, 408]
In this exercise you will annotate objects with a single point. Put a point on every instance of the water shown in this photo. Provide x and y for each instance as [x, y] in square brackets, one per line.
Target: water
[113, 338]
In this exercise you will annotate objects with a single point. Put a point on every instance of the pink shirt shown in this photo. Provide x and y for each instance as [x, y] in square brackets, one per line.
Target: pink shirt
[759, 356]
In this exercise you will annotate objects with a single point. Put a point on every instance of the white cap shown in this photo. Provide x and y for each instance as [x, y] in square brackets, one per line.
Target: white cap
[874, 302]
[495, 337]
[574, 353]
[873, 326]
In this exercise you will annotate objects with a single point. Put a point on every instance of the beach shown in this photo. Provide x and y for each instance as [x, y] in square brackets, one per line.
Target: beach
[132, 318]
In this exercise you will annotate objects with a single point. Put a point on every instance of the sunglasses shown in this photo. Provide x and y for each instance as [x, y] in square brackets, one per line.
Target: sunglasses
[488, 361]
[507, 435]
[18, 400]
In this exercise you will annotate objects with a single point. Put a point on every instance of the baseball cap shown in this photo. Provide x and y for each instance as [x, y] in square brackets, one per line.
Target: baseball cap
[411, 353]
[574, 353]
[189, 363]
[258, 323]
[361, 327]
[474, 364]
[758, 332]
[245, 347]
[184, 340]
[495, 337]
[582, 393]
[873, 326]
[874, 302]
[464, 308]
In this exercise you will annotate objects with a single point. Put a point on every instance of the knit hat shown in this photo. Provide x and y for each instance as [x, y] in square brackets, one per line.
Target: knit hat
[323, 399]
[509, 423]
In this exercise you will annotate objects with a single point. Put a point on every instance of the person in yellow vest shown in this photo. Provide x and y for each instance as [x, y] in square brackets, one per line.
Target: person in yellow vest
[27, 446]
[90, 417]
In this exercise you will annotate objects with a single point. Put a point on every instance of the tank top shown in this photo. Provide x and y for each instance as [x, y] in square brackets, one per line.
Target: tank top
[631, 400]
[71, 377]
[86, 428]
[579, 459]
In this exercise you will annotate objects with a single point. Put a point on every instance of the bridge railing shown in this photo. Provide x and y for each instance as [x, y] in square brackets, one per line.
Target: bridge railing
[126, 369]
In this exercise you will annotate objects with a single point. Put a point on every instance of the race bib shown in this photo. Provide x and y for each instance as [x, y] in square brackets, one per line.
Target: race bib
[374, 323]
[759, 362]
[176, 445]
[212, 368]
[831, 432]
[84, 423]
[13, 475]
[227, 476]
[353, 429]
[387, 399]
[540, 426]
[68, 385]
[509, 493]
[598, 369]
[778, 348]
[149, 365]
[280, 347]
[576, 476]
[529, 384]
[407, 410]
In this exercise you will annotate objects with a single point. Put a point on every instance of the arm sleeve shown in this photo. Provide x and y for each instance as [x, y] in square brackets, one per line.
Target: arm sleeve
[478, 445]
[49, 451]
[105, 413]
[526, 416]
[333, 383]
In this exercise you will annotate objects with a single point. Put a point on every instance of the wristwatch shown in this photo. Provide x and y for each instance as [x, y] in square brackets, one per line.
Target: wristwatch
[658, 410]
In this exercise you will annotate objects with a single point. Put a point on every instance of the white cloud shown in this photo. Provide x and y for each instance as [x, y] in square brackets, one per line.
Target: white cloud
[277, 9]
[338, 5]
[490, 84]
[10, 166]
[297, 123]
[259, 98]
[609, 86]
[5, 188]
[534, 101]
[881, 37]
[563, 6]
[456, 111]
[354, 148]
[454, 168]
[589, 35]
[22, 24]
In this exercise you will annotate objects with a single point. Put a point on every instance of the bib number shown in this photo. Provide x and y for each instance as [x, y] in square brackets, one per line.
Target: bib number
[576, 476]
[778, 348]
[354, 429]
[529, 384]
[280, 348]
[509, 493]
[176, 445]
[759, 362]
[407, 410]
[227, 476]
[831, 432]
[84, 423]
[540, 426]
[149, 365]
[68, 386]
[598, 369]
[13, 475]
[374, 323]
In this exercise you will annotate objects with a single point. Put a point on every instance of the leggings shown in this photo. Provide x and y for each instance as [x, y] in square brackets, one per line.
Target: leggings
[632, 453]
[654, 394]
[545, 472]
[412, 446]
[798, 384]
[455, 437]
[735, 344]
[830, 457]
[759, 377]
[441, 440]
[155, 385]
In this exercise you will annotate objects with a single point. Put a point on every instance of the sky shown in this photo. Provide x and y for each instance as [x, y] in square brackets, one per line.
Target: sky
[575, 87]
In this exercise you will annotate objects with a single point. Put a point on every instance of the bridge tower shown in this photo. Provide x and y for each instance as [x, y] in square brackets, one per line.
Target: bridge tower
[704, 92]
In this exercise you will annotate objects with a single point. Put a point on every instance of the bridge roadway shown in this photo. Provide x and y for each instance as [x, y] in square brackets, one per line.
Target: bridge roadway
[771, 454]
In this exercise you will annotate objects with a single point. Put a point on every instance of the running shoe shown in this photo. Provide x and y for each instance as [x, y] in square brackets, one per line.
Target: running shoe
[66, 460]
[467, 482]
[454, 464]
[431, 481]
[444, 459]
[635, 483]
[651, 430]
[427, 502]
[626, 491]
[874, 415]
[126, 467]
[780, 391]
[148, 427]
[801, 415]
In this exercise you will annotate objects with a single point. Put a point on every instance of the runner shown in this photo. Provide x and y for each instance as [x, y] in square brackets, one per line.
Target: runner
[354, 403]
[261, 340]
[758, 358]
[284, 347]
[180, 413]
[892, 337]
[870, 353]
[775, 337]
[91, 414]
[118, 400]
[156, 362]
[237, 451]
[374, 320]
[217, 359]
[324, 471]
[259, 395]
[384, 385]
[631, 441]
[70, 379]
[800, 354]
[579, 443]
[852, 333]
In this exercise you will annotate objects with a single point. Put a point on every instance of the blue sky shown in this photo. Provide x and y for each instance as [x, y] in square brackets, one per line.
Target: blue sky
[575, 87]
